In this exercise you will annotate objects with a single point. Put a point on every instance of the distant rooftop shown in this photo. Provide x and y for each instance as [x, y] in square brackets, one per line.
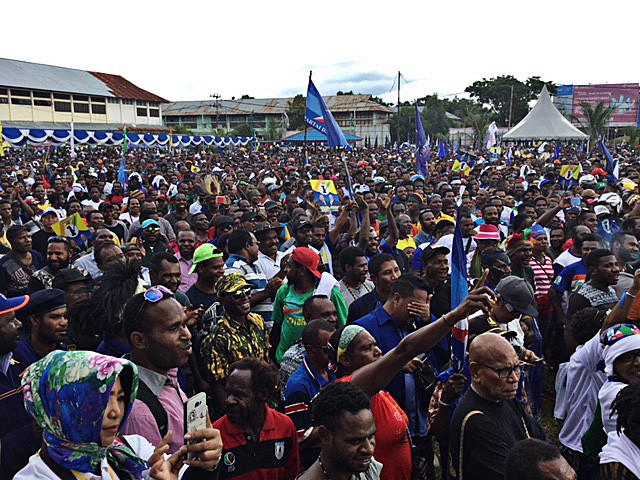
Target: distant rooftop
[266, 106]
[36, 76]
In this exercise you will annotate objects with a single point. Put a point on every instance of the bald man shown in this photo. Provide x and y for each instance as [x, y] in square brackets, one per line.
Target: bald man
[489, 419]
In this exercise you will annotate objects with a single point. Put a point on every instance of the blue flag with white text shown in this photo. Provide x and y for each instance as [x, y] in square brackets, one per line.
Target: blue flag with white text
[459, 291]
[318, 116]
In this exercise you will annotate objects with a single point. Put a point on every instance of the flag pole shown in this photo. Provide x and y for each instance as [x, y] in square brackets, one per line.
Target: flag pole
[306, 127]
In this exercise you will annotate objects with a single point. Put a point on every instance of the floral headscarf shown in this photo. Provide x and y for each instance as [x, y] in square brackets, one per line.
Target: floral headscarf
[67, 393]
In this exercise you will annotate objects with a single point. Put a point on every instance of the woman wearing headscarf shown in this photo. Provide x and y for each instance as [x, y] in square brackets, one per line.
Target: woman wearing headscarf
[359, 360]
[81, 401]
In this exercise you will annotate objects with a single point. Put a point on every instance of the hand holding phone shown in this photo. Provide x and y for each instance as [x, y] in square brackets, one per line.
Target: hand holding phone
[195, 417]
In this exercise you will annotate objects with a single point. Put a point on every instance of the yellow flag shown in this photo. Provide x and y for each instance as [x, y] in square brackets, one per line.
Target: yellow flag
[1, 142]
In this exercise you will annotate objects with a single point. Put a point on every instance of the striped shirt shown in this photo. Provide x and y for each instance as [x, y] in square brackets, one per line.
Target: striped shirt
[254, 275]
[543, 274]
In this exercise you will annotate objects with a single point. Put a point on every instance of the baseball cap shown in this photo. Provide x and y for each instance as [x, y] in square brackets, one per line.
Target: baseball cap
[69, 275]
[431, 250]
[601, 210]
[222, 220]
[298, 224]
[8, 305]
[307, 258]
[270, 205]
[231, 283]
[273, 188]
[516, 292]
[45, 301]
[148, 223]
[204, 252]
[250, 217]
[14, 230]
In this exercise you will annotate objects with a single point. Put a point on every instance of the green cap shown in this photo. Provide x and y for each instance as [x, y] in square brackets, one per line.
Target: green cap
[231, 283]
[204, 252]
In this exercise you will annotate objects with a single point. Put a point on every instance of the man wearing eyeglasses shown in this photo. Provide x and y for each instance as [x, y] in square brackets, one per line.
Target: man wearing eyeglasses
[489, 419]
[239, 334]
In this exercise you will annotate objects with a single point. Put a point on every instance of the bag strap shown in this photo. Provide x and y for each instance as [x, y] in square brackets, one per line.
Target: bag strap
[146, 396]
[464, 423]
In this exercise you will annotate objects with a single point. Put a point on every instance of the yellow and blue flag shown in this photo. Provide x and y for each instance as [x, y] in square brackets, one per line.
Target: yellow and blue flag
[75, 229]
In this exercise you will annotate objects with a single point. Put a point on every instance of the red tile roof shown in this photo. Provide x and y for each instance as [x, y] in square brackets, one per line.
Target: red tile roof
[123, 88]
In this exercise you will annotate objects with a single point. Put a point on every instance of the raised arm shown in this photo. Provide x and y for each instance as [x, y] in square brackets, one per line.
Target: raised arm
[552, 212]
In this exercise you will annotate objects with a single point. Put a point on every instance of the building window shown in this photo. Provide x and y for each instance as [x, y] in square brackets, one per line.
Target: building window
[154, 112]
[80, 98]
[20, 101]
[97, 100]
[4, 91]
[20, 93]
[41, 103]
[98, 109]
[62, 106]
[80, 107]
[141, 111]
[61, 96]
[45, 95]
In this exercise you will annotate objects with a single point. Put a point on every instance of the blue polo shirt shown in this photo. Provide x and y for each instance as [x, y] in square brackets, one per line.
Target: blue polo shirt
[403, 386]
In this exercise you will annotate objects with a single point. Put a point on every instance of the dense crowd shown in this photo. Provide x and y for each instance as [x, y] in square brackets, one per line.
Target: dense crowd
[321, 335]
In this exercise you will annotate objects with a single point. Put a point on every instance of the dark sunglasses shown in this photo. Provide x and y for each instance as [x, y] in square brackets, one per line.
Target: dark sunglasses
[152, 229]
[243, 292]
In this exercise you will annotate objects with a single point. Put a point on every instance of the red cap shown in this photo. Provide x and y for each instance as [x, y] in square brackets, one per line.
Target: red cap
[308, 259]
[599, 171]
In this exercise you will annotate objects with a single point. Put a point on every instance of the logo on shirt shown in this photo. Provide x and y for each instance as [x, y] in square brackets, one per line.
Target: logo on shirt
[229, 460]
[279, 450]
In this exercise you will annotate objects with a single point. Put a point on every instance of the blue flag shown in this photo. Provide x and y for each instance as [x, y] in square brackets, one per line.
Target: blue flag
[319, 117]
[612, 167]
[442, 149]
[122, 172]
[459, 291]
[557, 152]
[423, 152]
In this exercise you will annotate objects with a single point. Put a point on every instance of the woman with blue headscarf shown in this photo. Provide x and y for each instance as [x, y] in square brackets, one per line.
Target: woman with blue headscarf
[81, 400]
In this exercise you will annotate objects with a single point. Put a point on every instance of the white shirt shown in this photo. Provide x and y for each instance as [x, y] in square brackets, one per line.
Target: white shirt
[606, 396]
[566, 258]
[88, 263]
[583, 382]
[36, 469]
[268, 265]
[90, 203]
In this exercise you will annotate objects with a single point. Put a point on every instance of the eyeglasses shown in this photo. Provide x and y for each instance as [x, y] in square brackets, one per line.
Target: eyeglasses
[507, 371]
[154, 295]
[243, 292]
[629, 357]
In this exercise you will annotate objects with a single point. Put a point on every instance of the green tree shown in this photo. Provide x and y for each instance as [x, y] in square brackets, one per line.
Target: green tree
[181, 130]
[296, 111]
[340, 92]
[434, 116]
[407, 123]
[509, 107]
[242, 130]
[274, 130]
[595, 120]
[247, 97]
[479, 121]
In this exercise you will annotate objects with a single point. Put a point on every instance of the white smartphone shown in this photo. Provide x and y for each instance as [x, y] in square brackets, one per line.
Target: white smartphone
[195, 417]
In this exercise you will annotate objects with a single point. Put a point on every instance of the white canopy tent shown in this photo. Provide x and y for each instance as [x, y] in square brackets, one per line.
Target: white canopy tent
[544, 122]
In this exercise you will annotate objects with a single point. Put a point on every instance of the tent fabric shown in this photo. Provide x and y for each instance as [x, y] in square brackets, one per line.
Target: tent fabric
[544, 122]
[19, 137]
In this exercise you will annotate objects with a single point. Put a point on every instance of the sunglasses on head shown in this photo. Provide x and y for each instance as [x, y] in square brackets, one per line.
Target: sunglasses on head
[154, 295]
[58, 239]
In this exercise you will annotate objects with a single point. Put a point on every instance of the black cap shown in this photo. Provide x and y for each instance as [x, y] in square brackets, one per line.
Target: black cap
[270, 205]
[222, 220]
[14, 230]
[69, 275]
[250, 216]
[298, 224]
[431, 250]
[45, 301]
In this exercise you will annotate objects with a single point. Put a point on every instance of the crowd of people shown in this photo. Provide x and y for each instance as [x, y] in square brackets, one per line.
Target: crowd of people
[322, 336]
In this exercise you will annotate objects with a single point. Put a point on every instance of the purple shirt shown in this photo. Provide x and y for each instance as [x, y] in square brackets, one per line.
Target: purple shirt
[187, 280]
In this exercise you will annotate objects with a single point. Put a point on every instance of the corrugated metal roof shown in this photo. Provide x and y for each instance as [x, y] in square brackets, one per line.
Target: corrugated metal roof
[98, 127]
[268, 106]
[316, 136]
[36, 76]
[123, 88]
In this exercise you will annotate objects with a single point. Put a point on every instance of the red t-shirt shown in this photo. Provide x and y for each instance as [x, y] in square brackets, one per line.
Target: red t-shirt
[393, 448]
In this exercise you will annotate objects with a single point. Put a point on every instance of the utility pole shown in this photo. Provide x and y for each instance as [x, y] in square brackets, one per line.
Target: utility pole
[216, 97]
[510, 106]
[398, 119]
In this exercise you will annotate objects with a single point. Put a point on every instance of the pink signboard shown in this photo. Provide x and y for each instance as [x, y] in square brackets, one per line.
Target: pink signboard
[622, 95]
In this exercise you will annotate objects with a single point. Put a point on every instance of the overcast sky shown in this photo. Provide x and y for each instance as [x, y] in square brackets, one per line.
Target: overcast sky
[193, 49]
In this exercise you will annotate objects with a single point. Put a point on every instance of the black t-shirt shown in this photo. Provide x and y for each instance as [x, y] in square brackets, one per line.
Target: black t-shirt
[117, 230]
[363, 306]
[198, 297]
[39, 241]
[489, 435]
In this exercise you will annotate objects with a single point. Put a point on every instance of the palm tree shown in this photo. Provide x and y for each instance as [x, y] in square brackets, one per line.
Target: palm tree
[479, 122]
[596, 120]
